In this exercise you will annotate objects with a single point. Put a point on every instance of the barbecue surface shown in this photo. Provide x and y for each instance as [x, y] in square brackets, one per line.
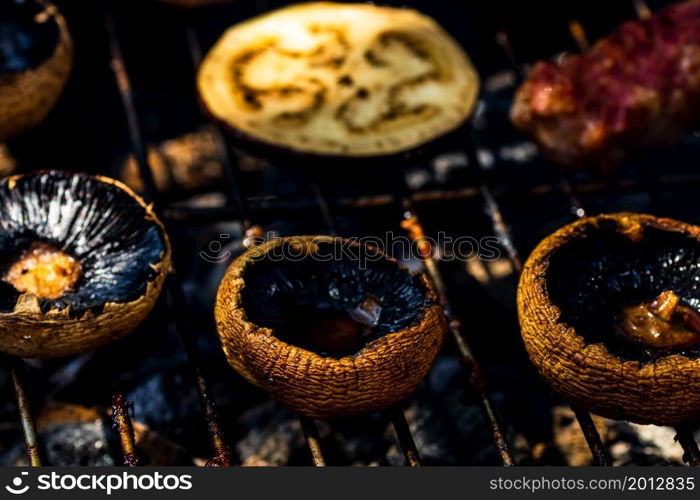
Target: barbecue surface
[445, 415]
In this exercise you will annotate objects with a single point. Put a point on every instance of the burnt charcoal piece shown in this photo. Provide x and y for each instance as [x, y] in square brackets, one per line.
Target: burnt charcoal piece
[82, 261]
[609, 313]
[36, 56]
[324, 335]
[336, 80]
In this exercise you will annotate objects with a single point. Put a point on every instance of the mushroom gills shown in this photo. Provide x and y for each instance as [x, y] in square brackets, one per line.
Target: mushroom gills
[624, 275]
[664, 324]
[28, 36]
[334, 332]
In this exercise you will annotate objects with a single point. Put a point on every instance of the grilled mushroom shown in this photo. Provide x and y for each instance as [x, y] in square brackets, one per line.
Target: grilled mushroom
[303, 319]
[339, 80]
[36, 55]
[83, 260]
[609, 313]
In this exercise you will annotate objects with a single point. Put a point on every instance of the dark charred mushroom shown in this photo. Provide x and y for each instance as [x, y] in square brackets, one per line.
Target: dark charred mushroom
[36, 55]
[82, 261]
[339, 80]
[323, 334]
[609, 313]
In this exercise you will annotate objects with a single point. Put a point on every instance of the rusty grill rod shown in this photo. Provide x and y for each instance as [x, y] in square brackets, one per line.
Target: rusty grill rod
[309, 426]
[404, 436]
[223, 146]
[598, 451]
[600, 455]
[123, 82]
[121, 422]
[313, 441]
[272, 204]
[398, 417]
[25, 413]
[684, 434]
[174, 287]
[414, 228]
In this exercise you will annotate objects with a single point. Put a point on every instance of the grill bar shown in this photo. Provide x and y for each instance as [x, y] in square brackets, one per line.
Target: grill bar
[578, 33]
[309, 427]
[121, 422]
[174, 287]
[593, 439]
[121, 76]
[398, 418]
[414, 228]
[404, 436]
[684, 435]
[242, 206]
[272, 204]
[25, 413]
[224, 148]
[601, 457]
[179, 306]
[313, 441]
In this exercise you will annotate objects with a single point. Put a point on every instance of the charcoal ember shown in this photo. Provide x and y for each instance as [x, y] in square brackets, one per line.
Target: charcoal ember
[636, 444]
[168, 403]
[360, 440]
[426, 424]
[448, 428]
[569, 441]
[72, 435]
[76, 444]
[272, 436]
[157, 450]
[185, 163]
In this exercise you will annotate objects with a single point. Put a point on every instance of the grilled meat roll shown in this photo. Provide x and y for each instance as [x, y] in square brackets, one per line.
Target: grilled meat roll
[637, 87]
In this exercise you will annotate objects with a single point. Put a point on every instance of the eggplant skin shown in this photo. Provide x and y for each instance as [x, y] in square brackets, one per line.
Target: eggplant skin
[121, 245]
[27, 97]
[383, 373]
[665, 391]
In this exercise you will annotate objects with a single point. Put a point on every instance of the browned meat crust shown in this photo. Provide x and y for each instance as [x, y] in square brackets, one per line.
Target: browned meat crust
[637, 87]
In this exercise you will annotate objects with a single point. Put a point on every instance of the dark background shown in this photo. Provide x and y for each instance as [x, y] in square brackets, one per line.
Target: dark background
[87, 132]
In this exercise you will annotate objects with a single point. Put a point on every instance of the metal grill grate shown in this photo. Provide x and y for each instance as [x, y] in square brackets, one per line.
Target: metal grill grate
[408, 206]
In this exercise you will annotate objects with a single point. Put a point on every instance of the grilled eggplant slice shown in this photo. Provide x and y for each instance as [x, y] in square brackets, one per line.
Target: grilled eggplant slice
[339, 80]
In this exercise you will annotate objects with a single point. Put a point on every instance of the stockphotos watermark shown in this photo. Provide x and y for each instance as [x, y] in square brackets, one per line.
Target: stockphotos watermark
[103, 483]
[365, 249]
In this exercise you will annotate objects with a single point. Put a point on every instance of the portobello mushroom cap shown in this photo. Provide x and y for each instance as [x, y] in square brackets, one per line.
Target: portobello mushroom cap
[36, 56]
[323, 334]
[338, 81]
[83, 261]
[608, 308]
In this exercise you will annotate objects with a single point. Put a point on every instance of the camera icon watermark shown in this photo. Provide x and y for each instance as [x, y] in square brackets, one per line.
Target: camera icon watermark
[16, 488]
[216, 252]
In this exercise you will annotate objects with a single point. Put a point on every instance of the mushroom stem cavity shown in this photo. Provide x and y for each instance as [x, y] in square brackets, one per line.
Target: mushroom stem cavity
[334, 332]
[43, 270]
[662, 324]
